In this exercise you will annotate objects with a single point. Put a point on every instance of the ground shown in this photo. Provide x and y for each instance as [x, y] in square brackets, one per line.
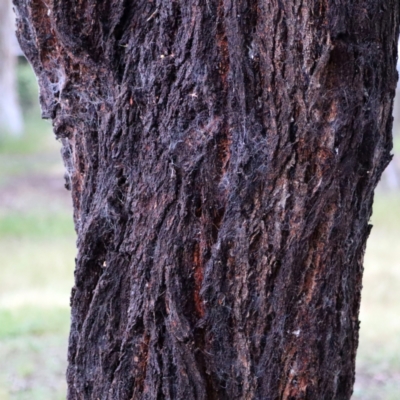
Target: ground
[37, 247]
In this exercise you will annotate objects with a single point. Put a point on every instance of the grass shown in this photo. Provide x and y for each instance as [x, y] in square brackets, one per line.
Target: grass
[378, 361]
[36, 224]
[30, 154]
[35, 367]
[37, 247]
[32, 320]
[34, 315]
[33, 141]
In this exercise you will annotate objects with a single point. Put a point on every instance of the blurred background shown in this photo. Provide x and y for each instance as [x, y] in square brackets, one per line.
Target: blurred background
[37, 250]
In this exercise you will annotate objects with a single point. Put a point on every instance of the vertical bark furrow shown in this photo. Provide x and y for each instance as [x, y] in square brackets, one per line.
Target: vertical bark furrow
[222, 157]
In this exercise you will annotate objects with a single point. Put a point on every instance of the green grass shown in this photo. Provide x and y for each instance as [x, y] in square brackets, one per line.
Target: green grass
[37, 224]
[35, 139]
[378, 359]
[37, 247]
[35, 367]
[35, 287]
[36, 270]
[31, 320]
[35, 152]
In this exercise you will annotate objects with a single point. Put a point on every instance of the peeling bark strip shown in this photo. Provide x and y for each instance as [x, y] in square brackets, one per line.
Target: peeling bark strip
[222, 157]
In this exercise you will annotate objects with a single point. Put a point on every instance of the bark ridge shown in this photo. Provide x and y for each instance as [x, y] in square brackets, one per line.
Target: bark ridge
[222, 157]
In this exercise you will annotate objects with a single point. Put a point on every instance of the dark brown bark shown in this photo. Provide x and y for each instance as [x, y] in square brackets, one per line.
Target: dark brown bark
[222, 157]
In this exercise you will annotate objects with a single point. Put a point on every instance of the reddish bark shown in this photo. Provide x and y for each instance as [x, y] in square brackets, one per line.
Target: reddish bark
[222, 157]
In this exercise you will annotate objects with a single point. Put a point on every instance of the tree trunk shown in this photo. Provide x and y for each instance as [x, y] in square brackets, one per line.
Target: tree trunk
[222, 157]
[10, 111]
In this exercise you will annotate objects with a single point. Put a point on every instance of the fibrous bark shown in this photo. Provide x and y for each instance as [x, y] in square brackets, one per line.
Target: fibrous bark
[222, 157]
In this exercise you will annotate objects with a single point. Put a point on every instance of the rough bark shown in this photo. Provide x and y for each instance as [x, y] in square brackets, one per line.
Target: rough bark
[222, 157]
[10, 111]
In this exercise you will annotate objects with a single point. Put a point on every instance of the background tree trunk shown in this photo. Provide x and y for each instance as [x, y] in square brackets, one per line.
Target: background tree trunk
[222, 157]
[10, 112]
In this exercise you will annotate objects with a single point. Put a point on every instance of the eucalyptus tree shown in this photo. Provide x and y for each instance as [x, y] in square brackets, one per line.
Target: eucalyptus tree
[222, 157]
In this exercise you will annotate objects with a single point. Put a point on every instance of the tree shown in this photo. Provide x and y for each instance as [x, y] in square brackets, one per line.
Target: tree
[222, 157]
[10, 112]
